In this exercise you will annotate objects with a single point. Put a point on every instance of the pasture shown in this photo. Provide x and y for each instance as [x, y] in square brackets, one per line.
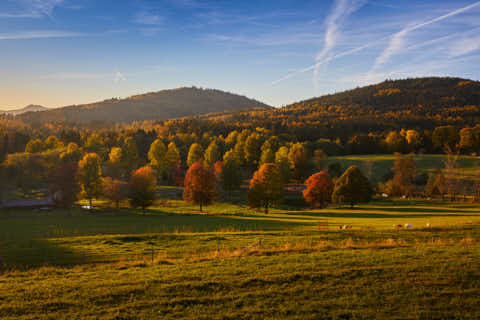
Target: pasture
[231, 262]
[377, 166]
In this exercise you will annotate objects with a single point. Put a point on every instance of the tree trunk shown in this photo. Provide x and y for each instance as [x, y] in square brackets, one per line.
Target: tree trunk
[143, 210]
[266, 208]
[91, 205]
[351, 205]
[201, 206]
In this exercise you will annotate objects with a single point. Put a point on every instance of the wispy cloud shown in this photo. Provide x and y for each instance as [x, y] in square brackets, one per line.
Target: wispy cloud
[148, 18]
[39, 35]
[464, 46]
[341, 11]
[397, 41]
[34, 9]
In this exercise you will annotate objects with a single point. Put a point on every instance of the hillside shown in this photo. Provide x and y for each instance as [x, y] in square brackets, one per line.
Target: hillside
[29, 108]
[150, 106]
[421, 103]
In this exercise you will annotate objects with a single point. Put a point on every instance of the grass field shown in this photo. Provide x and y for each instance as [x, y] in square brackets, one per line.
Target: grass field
[231, 262]
[377, 166]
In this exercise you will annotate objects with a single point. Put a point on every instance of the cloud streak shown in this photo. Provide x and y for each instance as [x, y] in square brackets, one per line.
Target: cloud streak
[39, 35]
[341, 11]
[396, 42]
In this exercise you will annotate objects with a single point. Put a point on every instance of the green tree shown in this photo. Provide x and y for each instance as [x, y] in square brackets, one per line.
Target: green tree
[130, 158]
[195, 154]
[352, 188]
[230, 177]
[266, 187]
[90, 176]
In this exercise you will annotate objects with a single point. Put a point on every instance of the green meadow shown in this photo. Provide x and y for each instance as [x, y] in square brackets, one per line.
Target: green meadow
[231, 262]
[377, 166]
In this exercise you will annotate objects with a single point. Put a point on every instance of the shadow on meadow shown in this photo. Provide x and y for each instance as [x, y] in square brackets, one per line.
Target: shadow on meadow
[38, 252]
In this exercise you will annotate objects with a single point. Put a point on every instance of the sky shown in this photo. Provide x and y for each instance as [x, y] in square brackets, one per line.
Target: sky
[63, 52]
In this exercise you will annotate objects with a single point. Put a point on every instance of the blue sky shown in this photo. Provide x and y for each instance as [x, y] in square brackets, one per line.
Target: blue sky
[62, 52]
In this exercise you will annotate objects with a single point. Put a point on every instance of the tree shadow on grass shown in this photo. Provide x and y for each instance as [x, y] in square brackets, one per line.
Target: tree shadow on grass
[34, 253]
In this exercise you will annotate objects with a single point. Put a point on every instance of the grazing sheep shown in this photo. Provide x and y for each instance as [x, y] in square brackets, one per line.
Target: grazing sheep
[397, 226]
[428, 225]
[345, 227]
[408, 225]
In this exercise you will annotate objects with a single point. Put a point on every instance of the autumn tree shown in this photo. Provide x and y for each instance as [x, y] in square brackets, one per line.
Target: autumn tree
[95, 144]
[268, 156]
[352, 187]
[115, 190]
[319, 189]
[297, 156]
[436, 184]
[405, 173]
[445, 136]
[212, 154]
[90, 176]
[172, 162]
[130, 157]
[143, 184]
[35, 146]
[253, 145]
[195, 154]
[71, 154]
[283, 164]
[266, 187]
[64, 185]
[200, 185]
[52, 143]
[156, 156]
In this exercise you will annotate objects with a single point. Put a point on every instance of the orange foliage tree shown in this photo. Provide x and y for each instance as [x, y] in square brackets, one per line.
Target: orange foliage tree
[142, 188]
[319, 189]
[200, 185]
[266, 186]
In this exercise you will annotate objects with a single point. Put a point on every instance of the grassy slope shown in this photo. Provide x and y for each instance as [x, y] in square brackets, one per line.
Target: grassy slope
[298, 271]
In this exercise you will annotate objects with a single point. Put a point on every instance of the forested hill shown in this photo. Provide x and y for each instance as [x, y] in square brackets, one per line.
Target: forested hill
[421, 104]
[150, 106]
[421, 95]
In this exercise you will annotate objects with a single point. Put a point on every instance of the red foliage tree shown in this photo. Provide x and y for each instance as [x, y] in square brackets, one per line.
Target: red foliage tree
[200, 185]
[142, 188]
[64, 186]
[319, 189]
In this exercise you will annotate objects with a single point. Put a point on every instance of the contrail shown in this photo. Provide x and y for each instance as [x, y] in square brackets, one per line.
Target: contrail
[341, 11]
[351, 51]
[398, 39]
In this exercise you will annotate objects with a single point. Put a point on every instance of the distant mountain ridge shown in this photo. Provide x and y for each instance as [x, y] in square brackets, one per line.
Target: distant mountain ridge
[29, 108]
[163, 104]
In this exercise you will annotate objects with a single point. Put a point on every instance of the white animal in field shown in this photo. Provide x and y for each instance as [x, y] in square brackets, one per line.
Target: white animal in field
[397, 226]
[428, 225]
[345, 227]
[408, 225]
